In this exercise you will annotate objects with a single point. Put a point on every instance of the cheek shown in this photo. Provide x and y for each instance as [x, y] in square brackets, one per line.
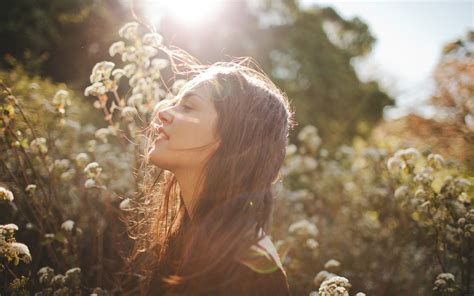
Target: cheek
[190, 135]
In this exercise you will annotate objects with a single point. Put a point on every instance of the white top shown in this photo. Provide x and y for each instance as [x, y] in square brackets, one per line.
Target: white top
[267, 246]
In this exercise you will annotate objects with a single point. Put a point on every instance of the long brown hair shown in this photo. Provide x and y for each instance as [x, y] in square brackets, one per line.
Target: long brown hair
[196, 256]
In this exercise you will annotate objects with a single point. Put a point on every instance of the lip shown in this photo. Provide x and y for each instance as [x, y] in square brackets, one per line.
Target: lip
[161, 130]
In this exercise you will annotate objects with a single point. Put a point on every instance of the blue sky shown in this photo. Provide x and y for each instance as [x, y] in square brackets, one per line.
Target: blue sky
[410, 35]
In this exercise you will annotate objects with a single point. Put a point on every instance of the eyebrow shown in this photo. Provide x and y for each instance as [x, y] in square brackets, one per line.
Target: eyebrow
[189, 94]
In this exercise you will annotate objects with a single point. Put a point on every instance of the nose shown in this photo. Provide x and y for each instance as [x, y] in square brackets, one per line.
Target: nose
[165, 116]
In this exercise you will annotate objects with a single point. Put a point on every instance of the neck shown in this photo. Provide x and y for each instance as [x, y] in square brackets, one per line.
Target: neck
[188, 184]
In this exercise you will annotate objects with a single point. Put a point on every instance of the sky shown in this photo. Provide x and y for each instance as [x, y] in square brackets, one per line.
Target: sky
[410, 36]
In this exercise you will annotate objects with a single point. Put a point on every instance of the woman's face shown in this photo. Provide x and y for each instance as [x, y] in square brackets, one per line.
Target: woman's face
[190, 124]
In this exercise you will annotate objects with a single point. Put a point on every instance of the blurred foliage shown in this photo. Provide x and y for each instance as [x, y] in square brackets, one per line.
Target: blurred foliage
[62, 39]
[45, 144]
[454, 93]
[382, 217]
[389, 219]
[307, 51]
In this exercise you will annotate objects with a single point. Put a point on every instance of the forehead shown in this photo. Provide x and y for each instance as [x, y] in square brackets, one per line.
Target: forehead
[202, 90]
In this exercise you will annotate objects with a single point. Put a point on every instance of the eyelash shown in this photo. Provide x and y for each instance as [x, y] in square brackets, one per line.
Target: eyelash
[186, 108]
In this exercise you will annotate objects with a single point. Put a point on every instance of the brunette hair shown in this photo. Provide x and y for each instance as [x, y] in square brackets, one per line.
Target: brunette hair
[192, 257]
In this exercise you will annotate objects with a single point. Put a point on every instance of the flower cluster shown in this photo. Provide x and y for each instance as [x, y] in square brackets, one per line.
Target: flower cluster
[38, 145]
[303, 227]
[335, 286]
[10, 249]
[141, 67]
[363, 194]
[58, 284]
[6, 194]
[445, 283]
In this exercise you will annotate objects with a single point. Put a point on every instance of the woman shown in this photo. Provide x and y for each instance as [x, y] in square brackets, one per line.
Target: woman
[220, 144]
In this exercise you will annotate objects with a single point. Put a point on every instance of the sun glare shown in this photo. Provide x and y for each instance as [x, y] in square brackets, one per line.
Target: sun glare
[189, 12]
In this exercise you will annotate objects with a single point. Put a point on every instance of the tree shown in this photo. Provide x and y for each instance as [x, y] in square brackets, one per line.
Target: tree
[61, 39]
[307, 52]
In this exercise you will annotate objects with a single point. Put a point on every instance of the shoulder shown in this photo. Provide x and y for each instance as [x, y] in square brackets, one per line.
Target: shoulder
[263, 257]
[262, 270]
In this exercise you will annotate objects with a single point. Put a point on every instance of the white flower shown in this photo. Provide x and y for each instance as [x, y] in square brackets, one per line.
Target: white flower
[82, 159]
[103, 69]
[307, 131]
[410, 155]
[39, 145]
[129, 30]
[95, 77]
[420, 193]
[22, 251]
[321, 277]
[291, 149]
[135, 99]
[67, 225]
[310, 163]
[125, 204]
[92, 169]
[177, 85]
[153, 39]
[130, 69]
[423, 178]
[45, 275]
[303, 227]
[443, 280]
[61, 97]
[72, 271]
[463, 183]
[395, 164]
[332, 265]
[116, 47]
[61, 164]
[309, 136]
[118, 73]
[68, 175]
[30, 189]
[58, 280]
[34, 85]
[436, 161]
[446, 276]
[142, 86]
[128, 112]
[159, 63]
[335, 286]
[9, 227]
[324, 153]
[45, 269]
[6, 194]
[401, 192]
[129, 54]
[97, 88]
[89, 183]
[102, 134]
[312, 243]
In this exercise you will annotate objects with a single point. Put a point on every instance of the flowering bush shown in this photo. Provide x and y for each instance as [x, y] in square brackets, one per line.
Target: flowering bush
[72, 179]
[391, 220]
[394, 220]
[46, 144]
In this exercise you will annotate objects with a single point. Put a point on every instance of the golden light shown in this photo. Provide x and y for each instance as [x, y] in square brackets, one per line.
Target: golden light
[189, 12]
